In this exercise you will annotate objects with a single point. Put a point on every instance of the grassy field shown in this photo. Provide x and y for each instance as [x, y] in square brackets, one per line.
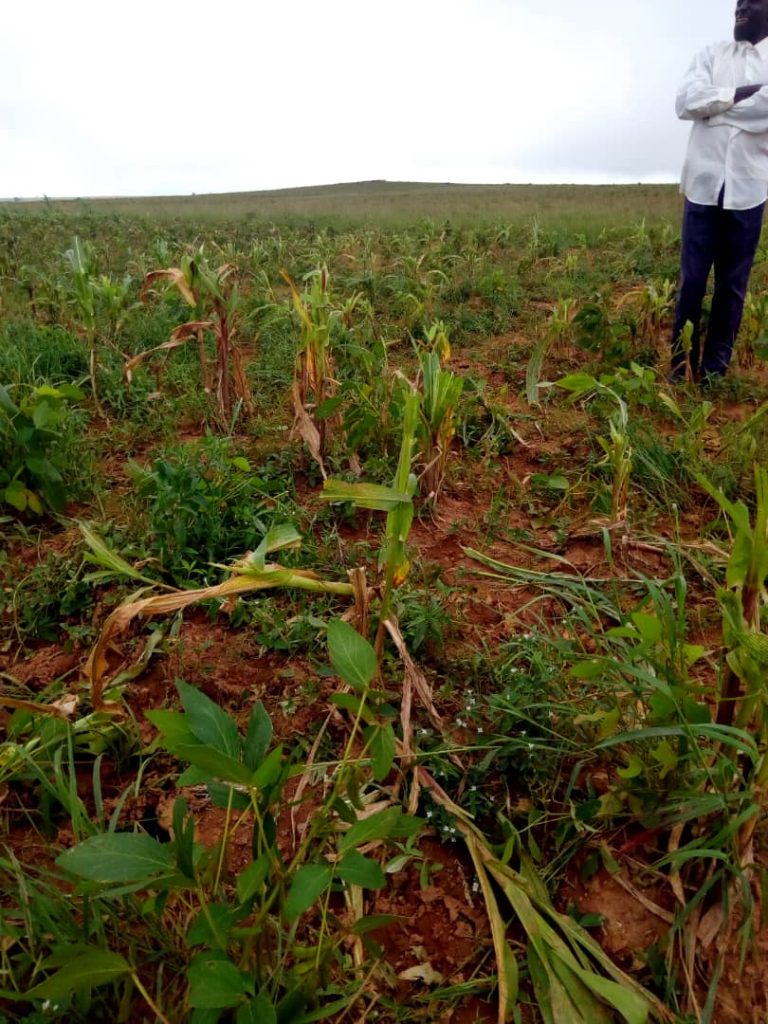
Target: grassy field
[381, 637]
[576, 207]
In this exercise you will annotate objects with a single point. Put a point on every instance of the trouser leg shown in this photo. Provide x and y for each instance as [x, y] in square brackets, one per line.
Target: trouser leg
[697, 254]
[738, 236]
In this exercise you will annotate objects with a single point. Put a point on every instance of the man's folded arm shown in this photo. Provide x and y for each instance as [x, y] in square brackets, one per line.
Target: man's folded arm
[750, 114]
[698, 96]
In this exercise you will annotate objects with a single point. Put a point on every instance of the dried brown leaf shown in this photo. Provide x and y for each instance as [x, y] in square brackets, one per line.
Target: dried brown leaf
[307, 429]
[173, 274]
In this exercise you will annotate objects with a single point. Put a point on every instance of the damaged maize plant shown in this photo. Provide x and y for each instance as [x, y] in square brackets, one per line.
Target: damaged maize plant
[215, 298]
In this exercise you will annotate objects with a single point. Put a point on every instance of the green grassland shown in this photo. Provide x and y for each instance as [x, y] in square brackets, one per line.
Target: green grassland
[579, 207]
[381, 637]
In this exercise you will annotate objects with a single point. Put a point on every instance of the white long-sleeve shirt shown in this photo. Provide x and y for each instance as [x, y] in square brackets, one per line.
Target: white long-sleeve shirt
[728, 145]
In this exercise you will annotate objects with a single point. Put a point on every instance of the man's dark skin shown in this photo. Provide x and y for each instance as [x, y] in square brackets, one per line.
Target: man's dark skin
[751, 27]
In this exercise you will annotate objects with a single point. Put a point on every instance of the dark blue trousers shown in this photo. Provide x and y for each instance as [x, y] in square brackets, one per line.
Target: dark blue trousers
[728, 240]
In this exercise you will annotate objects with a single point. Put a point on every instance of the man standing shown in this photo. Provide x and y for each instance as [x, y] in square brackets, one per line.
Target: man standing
[725, 182]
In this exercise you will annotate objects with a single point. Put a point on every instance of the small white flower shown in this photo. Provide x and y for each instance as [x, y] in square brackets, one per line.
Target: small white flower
[530, 746]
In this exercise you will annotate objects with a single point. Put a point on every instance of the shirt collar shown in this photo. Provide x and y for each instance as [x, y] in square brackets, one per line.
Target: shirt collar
[762, 48]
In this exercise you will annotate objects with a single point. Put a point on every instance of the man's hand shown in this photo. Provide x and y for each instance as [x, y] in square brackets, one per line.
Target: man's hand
[745, 91]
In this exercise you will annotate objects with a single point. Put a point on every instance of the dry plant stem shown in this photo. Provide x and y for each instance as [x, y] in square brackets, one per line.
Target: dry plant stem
[92, 368]
[205, 372]
[650, 906]
[223, 389]
[362, 596]
[241, 583]
[159, 1015]
[225, 840]
[730, 694]
[674, 875]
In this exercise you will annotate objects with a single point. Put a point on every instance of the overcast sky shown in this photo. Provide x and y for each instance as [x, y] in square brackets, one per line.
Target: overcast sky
[161, 96]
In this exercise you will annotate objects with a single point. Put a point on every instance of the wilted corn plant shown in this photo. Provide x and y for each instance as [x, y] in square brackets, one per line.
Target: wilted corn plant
[250, 574]
[742, 698]
[214, 295]
[100, 303]
[574, 980]
[558, 330]
[396, 501]
[313, 382]
[754, 328]
[741, 701]
[617, 446]
[82, 263]
[652, 304]
[441, 390]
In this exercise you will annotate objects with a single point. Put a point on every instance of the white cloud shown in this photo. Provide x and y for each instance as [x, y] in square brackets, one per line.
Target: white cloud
[105, 98]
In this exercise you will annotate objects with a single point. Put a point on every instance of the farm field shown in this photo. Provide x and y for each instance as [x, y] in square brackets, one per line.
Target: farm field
[381, 635]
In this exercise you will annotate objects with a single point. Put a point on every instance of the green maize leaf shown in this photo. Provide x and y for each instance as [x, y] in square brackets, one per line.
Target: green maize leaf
[83, 972]
[756, 646]
[632, 1007]
[101, 554]
[582, 1004]
[505, 959]
[377, 497]
[672, 405]
[118, 857]
[578, 383]
[542, 986]
[737, 511]
[279, 538]
[726, 735]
